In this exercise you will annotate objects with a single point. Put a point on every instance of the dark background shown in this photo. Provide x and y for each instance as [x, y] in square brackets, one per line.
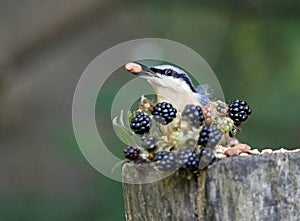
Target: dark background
[253, 47]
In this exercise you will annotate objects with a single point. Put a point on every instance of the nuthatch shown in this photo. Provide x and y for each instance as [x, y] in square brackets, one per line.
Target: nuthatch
[171, 84]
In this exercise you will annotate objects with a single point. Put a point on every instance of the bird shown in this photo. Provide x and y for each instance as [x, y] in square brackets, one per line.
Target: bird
[171, 84]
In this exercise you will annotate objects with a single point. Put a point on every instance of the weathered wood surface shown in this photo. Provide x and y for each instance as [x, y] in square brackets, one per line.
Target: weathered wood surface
[260, 187]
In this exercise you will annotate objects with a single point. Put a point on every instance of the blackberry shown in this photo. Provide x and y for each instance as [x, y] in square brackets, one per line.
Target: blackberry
[188, 160]
[221, 107]
[224, 124]
[207, 113]
[209, 136]
[239, 111]
[206, 158]
[131, 153]
[141, 123]
[149, 143]
[165, 160]
[164, 112]
[194, 113]
[174, 137]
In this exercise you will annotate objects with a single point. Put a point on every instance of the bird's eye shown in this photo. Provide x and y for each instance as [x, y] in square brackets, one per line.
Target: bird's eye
[168, 72]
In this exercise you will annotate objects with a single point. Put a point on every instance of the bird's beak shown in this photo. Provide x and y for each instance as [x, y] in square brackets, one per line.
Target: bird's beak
[147, 70]
[138, 68]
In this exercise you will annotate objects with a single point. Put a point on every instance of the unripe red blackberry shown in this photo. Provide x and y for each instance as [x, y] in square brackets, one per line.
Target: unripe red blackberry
[131, 153]
[239, 111]
[209, 136]
[207, 113]
[164, 113]
[141, 123]
[194, 114]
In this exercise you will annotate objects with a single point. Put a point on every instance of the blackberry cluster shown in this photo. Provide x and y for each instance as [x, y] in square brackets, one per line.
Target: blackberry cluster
[141, 123]
[209, 136]
[131, 153]
[206, 158]
[188, 160]
[192, 133]
[149, 143]
[239, 111]
[194, 113]
[165, 160]
[164, 113]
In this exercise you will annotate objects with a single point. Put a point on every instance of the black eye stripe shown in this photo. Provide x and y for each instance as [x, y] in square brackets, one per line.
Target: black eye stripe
[157, 70]
[167, 72]
[175, 75]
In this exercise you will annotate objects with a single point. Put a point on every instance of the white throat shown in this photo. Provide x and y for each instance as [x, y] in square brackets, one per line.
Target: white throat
[179, 95]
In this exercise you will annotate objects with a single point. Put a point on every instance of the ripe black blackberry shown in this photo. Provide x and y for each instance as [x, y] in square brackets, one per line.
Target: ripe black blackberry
[149, 143]
[194, 113]
[165, 160]
[206, 158]
[131, 153]
[164, 113]
[209, 136]
[187, 160]
[141, 123]
[239, 111]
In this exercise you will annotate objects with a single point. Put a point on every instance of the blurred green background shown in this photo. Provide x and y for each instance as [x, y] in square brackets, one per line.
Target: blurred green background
[253, 47]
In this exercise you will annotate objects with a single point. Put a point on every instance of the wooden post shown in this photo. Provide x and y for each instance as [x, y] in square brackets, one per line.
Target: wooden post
[254, 187]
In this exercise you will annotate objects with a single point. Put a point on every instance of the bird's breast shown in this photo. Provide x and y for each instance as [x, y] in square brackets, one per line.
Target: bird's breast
[179, 99]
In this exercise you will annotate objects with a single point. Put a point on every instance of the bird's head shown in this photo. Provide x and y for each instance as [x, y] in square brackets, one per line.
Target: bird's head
[168, 76]
[170, 83]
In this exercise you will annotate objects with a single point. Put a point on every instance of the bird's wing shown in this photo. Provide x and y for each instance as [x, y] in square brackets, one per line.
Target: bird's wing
[204, 92]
